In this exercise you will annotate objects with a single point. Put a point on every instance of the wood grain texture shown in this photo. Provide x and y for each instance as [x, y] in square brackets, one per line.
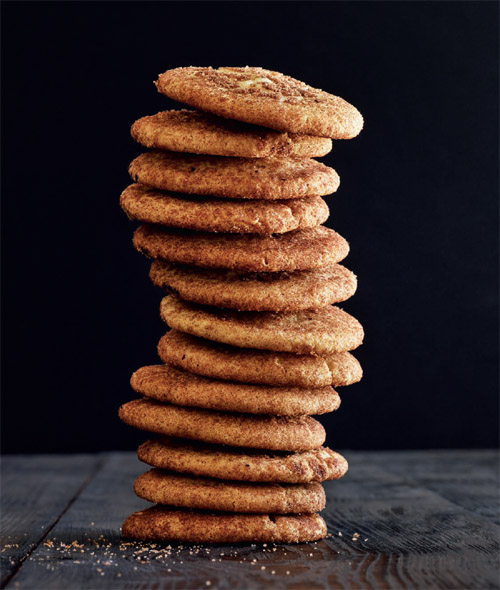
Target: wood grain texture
[416, 538]
[415, 528]
[467, 478]
[35, 492]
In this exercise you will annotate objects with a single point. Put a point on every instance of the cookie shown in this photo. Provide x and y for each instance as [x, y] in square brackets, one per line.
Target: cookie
[271, 291]
[221, 361]
[203, 133]
[165, 383]
[242, 464]
[276, 433]
[222, 215]
[304, 249]
[235, 178]
[263, 97]
[160, 523]
[203, 493]
[318, 331]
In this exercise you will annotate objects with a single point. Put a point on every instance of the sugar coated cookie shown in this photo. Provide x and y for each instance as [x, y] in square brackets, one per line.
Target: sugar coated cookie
[277, 291]
[221, 215]
[203, 493]
[230, 363]
[276, 433]
[203, 133]
[224, 462]
[304, 249]
[236, 178]
[318, 331]
[262, 97]
[160, 523]
[166, 383]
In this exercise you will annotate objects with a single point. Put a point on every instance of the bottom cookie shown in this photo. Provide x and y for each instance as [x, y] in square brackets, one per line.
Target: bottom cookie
[160, 523]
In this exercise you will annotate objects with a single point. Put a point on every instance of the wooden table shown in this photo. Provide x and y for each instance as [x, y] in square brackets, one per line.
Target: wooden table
[397, 520]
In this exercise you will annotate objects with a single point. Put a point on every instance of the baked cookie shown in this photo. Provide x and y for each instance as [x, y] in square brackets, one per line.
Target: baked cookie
[165, 383]
[160, 523]
[242, 464]
[276, 433]
[263, 97]
[304, 249]
[318, 331]
[231, 363]
[235, 178]
[203, 493]
[222, 215]
[270, 291]
[202, 133]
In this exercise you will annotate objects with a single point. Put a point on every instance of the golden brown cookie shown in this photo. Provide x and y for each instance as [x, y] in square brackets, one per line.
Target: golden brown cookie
[232, 463]
[165, 383]
[271, 291]
[160, 523]
[304, 249]
[235, 178]
[203, 133]
[276, 433]
[221, 361]
[203, 493]
[263, 97]
[318, 331]
[221, 215]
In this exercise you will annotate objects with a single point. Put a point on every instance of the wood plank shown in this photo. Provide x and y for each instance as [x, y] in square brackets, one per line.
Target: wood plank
[35, 492]
[469, 478]
[409, 537]
[415, 537]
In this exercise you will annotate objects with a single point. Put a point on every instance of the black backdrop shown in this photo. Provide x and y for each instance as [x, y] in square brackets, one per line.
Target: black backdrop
[418, 203]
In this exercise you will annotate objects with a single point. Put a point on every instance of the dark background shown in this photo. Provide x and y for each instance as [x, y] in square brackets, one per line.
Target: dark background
[418, 203]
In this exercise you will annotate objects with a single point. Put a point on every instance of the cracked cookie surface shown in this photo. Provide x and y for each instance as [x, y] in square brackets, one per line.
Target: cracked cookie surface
[304, 249]
[160, 523]
[196, 132]
[234, 178]
[212, 214]
[249, 365]
[318, 331]
[262, 97]
[203, 493]
[223, 462]
[276, 433]
[276, 291]
[166, 383]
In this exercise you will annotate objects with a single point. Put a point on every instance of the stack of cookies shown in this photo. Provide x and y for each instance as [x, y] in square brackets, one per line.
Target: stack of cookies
[230, 201]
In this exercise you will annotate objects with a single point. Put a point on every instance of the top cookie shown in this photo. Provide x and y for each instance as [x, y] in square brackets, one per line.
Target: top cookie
[263, 97]
[202, 133]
